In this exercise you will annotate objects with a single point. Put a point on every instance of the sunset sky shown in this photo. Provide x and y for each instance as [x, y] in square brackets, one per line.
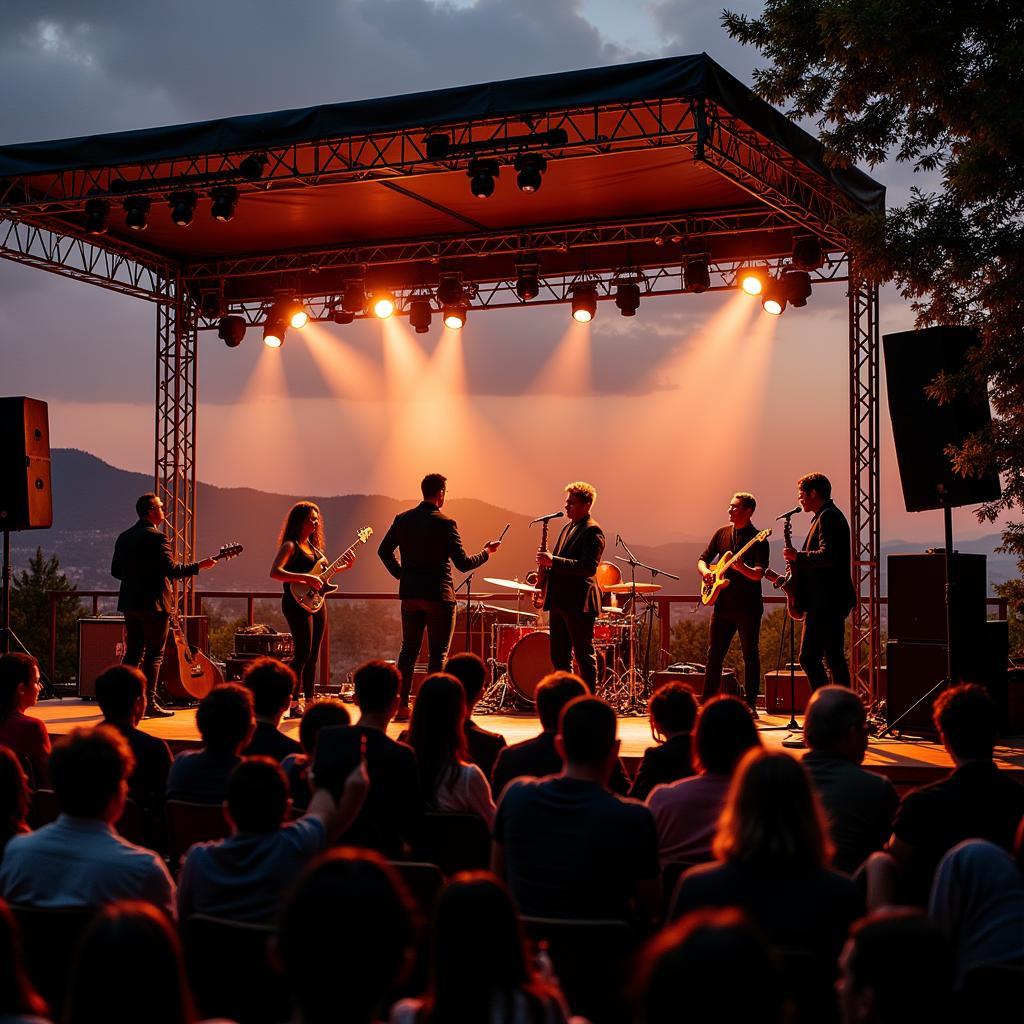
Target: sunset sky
[666, 413]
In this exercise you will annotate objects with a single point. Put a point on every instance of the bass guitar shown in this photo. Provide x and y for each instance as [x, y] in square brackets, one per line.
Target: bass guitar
[787, 581]
[309, 597]
[710, 589]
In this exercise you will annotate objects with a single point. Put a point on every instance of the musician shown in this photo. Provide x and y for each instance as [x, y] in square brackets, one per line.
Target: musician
[142, 562]
[301, 546]
[428, 542]
[824, 586]
[573, 598]
[739, 606]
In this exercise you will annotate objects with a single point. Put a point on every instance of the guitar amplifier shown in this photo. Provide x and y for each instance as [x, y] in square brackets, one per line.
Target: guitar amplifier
[263, 642]
[694, 679]
[101, 643]
[778, 695]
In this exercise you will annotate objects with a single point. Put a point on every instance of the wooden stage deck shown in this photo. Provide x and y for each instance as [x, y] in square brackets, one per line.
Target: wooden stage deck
[908, 762]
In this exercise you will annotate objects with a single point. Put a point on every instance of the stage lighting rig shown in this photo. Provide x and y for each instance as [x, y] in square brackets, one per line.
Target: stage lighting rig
[420, 314]
[482, 175]
[455, 317]
[353, 298]
[231, 330]
[696, 276]
[584, 303]
[383, 304]
[450, 291]
[210, 305]
[136, 212]
[251, 168]
[527, 280]
[530, 168]
[807, 254]
[224, 200]
[752, 280]
[796, 286]
[183, 207]
[296, 313]
[97, 215]
[340, 315]
[275, 328]
[773, 300]
[627, 297]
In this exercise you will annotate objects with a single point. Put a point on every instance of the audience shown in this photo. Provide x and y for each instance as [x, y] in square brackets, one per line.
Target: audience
[772, 852]
[129, 968]
[15, 798]
[859, 804]
[26, 736]
[79, 860]
[348, 970]
[225, 722]
[271, 683]
[895, 967]
[19, 1001]
[318, 715]
[482, 746]
[717, 965]
[436, 735]
[567, 845]
[480, 969]
[244, 876]
[673, 711]
[393, 807]
[686, 812]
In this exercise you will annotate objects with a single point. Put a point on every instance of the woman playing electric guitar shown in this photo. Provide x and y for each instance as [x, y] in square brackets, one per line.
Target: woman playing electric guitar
[301, 547]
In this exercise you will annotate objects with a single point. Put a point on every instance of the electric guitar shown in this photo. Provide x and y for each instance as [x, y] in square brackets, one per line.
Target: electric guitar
[312, 599]
[787, 582]
[710, 589]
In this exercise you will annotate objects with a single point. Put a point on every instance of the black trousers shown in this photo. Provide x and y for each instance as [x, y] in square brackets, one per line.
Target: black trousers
[307, 635]
[726, 622]
[824, 639]
[145, 640]
[438, 619]
[573, 632]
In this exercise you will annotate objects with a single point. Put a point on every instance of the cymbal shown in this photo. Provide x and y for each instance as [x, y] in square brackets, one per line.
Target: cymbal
[610, 610]
[629, 588]
[510, 584]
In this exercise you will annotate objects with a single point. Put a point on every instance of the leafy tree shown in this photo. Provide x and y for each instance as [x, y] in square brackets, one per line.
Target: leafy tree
[937, 86]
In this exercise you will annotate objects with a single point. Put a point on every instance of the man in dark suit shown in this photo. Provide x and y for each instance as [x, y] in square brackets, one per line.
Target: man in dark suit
[428, 543]
[573, 598]
[824, 586]
[142, 562]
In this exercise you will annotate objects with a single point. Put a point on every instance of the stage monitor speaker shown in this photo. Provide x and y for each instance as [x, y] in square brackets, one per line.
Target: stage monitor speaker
[922, 429]
[694, 680]
[917, 598]
[779, 692]
[911, 671]
[26, 502]
[100, 644]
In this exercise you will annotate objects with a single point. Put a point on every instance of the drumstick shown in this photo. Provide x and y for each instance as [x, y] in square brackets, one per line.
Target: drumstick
[503, 532]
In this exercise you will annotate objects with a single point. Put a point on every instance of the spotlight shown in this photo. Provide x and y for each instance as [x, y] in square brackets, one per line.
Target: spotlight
[449, 290]
[454, 317]
[696, 276]
[796, 286]
[530, 168]
[383, 304]
[420, 315]
[183, 207]
[343, 316]
[527, 283]
[353, 299]
[807, 254]
[584, 303]
[751, 280]
[774, 300]
[438, 146]
[274, 330]
[225, 199]
[210, 305]
[136, 213]
[627, 298]
[231, 330]
[481, 177]
[251, 168]
[97, 212]
[296, 314]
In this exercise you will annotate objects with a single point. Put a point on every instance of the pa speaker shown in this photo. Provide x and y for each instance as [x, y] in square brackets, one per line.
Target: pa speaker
[26, 502]
[911, 671]
[922, 429]
[101, 643]
[917, 597]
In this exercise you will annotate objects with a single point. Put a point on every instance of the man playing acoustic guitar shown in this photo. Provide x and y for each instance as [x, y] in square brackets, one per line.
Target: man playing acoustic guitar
[739, 606]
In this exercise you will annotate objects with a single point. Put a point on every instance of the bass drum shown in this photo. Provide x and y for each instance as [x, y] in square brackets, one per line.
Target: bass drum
[529, 662]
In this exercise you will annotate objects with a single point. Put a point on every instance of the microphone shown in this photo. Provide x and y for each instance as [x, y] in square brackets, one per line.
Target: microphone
[618, 540]
[792, 512]
[551, 515]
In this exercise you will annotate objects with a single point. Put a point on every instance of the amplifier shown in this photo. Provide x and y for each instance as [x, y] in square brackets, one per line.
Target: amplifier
[694, 680]
[778, 695]
[264, 644]
[235, 666]
[101, 644]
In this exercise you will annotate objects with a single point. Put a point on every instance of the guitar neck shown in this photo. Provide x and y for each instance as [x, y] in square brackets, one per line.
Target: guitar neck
[742, 551]
[335, 567]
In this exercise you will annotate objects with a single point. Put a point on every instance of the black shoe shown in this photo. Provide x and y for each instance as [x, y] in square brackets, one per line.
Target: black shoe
[155, 710]
[753, 711]
[295, 710]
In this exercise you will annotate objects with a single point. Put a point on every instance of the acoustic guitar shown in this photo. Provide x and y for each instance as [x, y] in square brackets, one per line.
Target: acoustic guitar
[787, 581]
[309, 597]
[710, 589]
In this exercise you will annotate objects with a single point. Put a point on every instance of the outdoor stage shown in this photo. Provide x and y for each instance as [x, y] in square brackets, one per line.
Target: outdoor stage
[908, 762]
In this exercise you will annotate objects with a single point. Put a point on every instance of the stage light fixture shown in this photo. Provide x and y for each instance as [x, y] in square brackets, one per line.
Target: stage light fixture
[210, 305]
[274, 331]
[773, 300]
[183, 207]
[296, 313]
[449, 290]
[530, 168]
[225, 199]
[807, 254]
[627, 298]
[696, 276]
[343, 316]
[527, 283]
[251, 168]
[353, 298]
[482, 174]
[454, 317]
[584, 303]
[752, 280]
[383, 304]
[136, 213]
[231, 330]
[796, 286]
[97, 214]
[420, 314]
[438, 146]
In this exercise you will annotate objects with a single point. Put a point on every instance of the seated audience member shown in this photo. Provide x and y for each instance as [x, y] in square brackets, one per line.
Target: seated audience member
[713, 963]
[19, 1001]
[15, 798]
[360, 961]
[79, 860]
[393, 806]
[271, 683]
[686, 812]
[673, 710]
[539, 757]
[447, 781]
[121, 695]
[129, 968]
[26, 736]
[976, 801]
[569, 847]
[320, 714]
[978, 903]
[895, 967]
[773, 850]
[244, 876]
[859, 804]
[482, 746]
[480, 969]
[225, 722]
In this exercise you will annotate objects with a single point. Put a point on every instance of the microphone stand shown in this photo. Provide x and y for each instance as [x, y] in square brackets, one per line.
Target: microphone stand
[468, 584]
[794, 742]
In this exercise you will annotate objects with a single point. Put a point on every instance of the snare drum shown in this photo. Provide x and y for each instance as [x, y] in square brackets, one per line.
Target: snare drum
[504, 636]
[529, 662]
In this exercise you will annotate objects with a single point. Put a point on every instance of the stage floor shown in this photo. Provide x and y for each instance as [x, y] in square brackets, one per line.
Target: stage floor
[908, 762]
